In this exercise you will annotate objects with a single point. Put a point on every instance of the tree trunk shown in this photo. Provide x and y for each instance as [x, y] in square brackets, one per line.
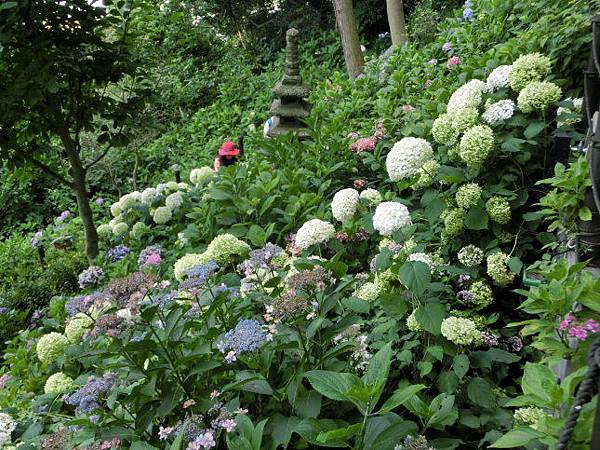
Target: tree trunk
[346, 24]
[395, 13]
[85, 211]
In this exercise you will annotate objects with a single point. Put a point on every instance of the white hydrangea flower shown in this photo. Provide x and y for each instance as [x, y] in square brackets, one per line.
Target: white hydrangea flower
[161, 187]
[372, 196]
[148, 195]
[422, 257]
[390, 217]
[162, 215]
[7, 426]
[115, 209]
[344, 204]
[469, 95]
[183, 186]
[314, 232]
[120, 229]
[172, 186]
[406, 157]
[578, 103]
[174, 200]
[502, 110]
[498, 78]
[538, 95]
[136, 196]
[201, 175]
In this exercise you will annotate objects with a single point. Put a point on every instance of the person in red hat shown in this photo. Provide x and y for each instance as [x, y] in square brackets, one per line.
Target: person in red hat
[229, 154]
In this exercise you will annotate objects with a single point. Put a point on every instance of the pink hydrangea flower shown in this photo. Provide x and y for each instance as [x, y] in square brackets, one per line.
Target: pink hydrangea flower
[231, 357]
[228, 425]
[352, 135]
[567, 321]
[205, 440]
[164, 432]
[453, 61]
[363, 145]
[592, 326]
[580, 333]
[153, 260]
[188, 403]
[360, 183]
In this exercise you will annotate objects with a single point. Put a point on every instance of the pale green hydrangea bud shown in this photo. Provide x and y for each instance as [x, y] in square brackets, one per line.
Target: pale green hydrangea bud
[104, 231]
[201, 175]
[497, 269]
[138, 230]
[77, 327]
[427, 174]
[538, 96]
[162, 215]
[464, 119]
[172, 186]
[460, 330]
[224, 246]
[468, 195]
[443, 130]
[476, 145]
[482, 294]
[454, 222]
[531, 416]
[412, 324]
[51, 346]
[368, 291]
[498, 209]
[120, 229]
[528, 68]
[58, 383]
[371, 196]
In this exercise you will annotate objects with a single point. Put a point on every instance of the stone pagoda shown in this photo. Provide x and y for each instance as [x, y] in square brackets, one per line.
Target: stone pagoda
[290, 107]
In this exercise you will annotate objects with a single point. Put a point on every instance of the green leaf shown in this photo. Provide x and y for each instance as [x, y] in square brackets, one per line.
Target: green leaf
[481, 392]
[379, 366]
[400, 396]
[533, 129]
[415, 275]
[308, 403]
[139, 445]
[476, 219]
[7, 5]
[356, 304]
[518, 437]
[460, 365]
[540, 381]
[338, 434]
[310, 429]
[484, 359]
[585, 213]
[430, 317]
[332, 385]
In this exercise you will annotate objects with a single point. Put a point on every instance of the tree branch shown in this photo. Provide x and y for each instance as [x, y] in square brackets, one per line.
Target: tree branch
[49, 171]
[99, 158]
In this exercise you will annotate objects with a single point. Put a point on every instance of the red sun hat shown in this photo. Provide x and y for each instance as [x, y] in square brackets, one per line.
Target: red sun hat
[228, 149]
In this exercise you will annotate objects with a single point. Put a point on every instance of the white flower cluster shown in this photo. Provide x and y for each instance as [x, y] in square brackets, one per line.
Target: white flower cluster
[162, 215]
[390, 217]
[501, 110]
[314, 232]
[344, 204]
[470, 256]
[7, 426]
[371, 196]
[422, 257]
[406, 157]
[469, 95]
[459, 330]
[576, 111]
[174, 200]
[538, 95]
[528, 68]
[201, 175]
[498, 78]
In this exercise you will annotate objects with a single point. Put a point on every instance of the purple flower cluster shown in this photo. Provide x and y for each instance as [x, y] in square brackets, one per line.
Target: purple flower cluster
[118, 253]
[35, 240]
[147, 252]
[90, 276]
[85, 399]
[231, 292]
[63, 216]
[198, 275]
[489, 339]
[465, 296]
[514, 343]
[263, 258]
[468, 11]
[81, 303]
[247, 336]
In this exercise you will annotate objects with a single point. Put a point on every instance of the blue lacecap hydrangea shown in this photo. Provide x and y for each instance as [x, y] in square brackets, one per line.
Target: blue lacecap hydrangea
[247, 336]
[85, 399]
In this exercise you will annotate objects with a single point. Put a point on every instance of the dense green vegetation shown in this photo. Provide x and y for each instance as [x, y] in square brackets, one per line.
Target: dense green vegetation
[368, 287]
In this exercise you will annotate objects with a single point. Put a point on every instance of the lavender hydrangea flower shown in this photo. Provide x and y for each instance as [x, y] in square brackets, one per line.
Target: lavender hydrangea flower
[514, 343]
[447, 47]
[81, 303]
[90, 276]
[85, 399]
[198, 275]
[35, 241]
[231, 292]
[246, 337]
[99, 201]
[63, 216]
[263, 258]
[489, 339]
[463, 280]
[467, 13]
[465, 296]
[118, 253]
